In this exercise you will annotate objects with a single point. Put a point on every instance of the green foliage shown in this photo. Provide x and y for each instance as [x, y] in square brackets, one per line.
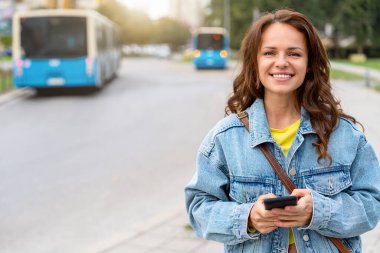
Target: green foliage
[357, 22]
[171, 32]
[343, 75]
[137, 27]
[356, 18]
[6, 41]
[370, 63]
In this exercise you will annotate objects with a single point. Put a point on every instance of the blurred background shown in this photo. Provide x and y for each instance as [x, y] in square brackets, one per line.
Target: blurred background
[104, 103]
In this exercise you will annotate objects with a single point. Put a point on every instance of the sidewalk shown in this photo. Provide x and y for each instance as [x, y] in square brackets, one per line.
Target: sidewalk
[372, 73]
[168, 233]
[13, 94]
[171, 236]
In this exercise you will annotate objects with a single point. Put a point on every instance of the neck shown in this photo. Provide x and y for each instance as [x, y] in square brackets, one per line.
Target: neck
[281, 111]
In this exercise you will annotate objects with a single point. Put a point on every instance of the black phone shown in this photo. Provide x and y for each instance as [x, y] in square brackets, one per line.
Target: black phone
[280, 202]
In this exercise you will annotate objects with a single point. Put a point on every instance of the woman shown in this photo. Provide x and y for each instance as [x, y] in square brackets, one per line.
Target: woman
[285, 89]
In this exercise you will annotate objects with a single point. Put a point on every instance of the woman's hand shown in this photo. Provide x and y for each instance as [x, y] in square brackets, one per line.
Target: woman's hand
[295, 216]
[260, 219]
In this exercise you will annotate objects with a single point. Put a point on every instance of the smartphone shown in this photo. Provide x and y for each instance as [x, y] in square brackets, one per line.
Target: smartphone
[280, 202]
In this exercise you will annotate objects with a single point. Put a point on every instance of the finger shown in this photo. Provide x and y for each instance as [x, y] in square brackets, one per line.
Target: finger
[267, 196]
[288, 210]
[292, 218]
[267, 227]
[288, 224]
[293, 209]
[301, 192]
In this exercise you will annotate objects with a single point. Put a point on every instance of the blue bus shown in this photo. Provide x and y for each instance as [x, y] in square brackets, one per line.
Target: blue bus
[64, 48]
[211, 48]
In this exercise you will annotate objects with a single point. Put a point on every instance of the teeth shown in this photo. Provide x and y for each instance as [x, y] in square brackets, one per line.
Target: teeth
[281, 76]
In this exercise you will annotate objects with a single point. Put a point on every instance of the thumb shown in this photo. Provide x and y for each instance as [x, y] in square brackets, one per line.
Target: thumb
[299, 193]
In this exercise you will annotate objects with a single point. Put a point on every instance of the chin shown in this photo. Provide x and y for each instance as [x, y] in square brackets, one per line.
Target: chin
[283, 92]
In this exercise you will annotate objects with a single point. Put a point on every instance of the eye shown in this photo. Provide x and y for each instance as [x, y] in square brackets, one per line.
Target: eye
[268, 53]
[293, 54]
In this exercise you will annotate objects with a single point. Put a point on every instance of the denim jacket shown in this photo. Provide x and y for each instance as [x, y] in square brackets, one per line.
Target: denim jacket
[232, 173]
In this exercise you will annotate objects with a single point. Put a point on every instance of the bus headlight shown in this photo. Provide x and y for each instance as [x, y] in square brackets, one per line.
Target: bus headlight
[196, 53]
[223, 54]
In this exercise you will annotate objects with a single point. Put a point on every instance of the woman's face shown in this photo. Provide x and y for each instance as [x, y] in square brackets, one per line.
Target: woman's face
[282, 59]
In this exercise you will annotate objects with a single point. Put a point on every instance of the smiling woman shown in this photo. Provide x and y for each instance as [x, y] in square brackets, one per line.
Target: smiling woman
[283, 97]
[154, 9]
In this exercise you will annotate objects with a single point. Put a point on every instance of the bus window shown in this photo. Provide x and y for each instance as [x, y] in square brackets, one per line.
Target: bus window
[101, 37]
[210, 41]
[49, 37]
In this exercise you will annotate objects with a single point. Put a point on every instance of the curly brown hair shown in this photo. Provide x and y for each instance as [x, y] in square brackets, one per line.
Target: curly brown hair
[314, 94]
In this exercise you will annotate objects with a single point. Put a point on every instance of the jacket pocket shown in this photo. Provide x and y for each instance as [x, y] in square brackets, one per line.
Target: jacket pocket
[328, 181]
[248, 189]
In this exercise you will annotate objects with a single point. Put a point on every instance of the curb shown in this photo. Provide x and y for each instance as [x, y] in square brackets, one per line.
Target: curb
[14, 94]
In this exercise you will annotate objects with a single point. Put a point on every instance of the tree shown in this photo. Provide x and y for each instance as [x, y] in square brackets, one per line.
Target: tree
[241, 18]
[171, 32]
[374, 6]
[137, 27]
[356, 18]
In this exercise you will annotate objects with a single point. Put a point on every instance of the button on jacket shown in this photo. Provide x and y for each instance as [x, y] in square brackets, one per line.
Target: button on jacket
[232, 173]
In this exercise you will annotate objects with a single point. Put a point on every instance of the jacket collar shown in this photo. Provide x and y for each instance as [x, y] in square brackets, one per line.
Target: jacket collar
[259, 128]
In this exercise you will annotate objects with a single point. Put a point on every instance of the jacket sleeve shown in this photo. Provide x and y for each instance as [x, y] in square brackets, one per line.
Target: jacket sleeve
[213, 215]
[356, 210]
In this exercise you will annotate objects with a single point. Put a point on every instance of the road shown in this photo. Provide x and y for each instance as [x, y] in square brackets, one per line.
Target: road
[79, 172]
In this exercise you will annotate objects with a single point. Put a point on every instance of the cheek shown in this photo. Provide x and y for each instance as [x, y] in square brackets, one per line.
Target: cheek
[263, 67]
[263, 74]
[302, 68]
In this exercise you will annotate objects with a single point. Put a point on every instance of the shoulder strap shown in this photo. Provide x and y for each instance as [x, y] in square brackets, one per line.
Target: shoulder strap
[243, 116]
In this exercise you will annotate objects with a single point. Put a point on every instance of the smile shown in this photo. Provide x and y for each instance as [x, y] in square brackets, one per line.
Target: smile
[281, 76]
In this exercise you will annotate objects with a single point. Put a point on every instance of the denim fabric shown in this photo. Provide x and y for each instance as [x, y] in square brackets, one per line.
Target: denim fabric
[232, 173]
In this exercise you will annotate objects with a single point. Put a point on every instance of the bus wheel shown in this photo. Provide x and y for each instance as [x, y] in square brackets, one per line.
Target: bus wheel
[43, 91]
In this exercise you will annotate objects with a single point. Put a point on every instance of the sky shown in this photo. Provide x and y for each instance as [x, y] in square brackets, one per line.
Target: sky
[154, 8]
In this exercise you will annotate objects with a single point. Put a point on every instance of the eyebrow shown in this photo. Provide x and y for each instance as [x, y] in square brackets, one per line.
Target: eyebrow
[289, 48]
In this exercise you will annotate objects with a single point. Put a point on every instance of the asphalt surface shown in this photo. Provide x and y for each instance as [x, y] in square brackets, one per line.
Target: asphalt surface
[168, 231]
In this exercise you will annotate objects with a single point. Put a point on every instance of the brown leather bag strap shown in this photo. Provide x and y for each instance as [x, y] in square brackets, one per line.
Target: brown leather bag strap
[277, 168]
[243, 116]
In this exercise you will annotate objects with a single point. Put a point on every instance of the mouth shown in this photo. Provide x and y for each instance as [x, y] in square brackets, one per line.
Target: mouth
[283, 76]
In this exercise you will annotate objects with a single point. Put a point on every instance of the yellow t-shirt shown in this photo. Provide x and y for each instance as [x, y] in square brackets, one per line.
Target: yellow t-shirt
[285, 137]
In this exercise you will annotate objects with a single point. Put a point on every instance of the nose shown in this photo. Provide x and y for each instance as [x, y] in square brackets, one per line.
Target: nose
[281, 61]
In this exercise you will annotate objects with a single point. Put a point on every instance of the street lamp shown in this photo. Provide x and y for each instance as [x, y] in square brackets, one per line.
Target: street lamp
[227, 15]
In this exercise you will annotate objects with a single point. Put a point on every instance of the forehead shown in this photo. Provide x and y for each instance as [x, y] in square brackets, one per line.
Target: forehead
[279, 35]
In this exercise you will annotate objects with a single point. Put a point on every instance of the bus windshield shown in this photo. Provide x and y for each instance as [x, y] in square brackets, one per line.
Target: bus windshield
[207, 41]
[53, 37]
